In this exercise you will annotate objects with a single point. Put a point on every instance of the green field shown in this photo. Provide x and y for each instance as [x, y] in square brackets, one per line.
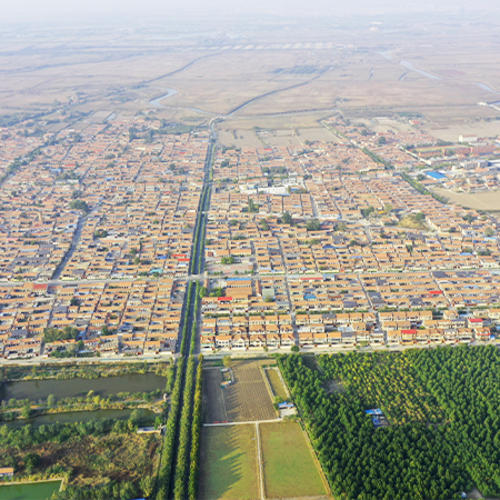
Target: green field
[276, 384]
[29, 491]
[229, 463]
[289, 467]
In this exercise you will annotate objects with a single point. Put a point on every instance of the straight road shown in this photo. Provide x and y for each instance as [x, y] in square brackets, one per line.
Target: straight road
[245, 422]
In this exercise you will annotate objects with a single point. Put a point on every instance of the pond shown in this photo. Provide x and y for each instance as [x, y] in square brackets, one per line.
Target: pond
[40, 490]
[36, 390]
[69, 417]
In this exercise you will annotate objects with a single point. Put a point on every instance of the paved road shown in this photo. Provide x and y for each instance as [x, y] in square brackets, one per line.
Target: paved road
[198, 249]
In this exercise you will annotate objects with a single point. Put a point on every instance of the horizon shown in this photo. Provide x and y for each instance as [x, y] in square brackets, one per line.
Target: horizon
[31, 11]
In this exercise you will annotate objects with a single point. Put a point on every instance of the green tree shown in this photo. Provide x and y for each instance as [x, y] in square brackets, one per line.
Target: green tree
[51, 400]
[313, 225]
[287, 218]
[26, 410]
[147, 485]
[31, 462]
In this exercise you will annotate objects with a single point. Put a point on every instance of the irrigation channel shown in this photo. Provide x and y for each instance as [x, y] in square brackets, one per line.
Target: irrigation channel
[179, 462]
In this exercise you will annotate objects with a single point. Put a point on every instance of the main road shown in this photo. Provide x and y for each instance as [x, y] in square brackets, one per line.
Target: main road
[190, 307]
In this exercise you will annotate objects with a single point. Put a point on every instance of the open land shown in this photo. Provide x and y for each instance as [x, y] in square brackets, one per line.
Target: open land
[488, 201]
[231, 469]
[289, 467]
[229, 463]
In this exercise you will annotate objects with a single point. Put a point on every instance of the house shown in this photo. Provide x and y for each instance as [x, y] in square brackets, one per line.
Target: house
[6, 472]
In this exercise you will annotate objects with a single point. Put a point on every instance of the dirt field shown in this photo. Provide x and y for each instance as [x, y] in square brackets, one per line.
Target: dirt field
[214, 406]
[247, 399]
[241, 138]
[480, 201]
[479, 128]
[317, 134]
[279, 138]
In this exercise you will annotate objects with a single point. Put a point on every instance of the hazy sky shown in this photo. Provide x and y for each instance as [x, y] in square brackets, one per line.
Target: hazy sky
[30, 10]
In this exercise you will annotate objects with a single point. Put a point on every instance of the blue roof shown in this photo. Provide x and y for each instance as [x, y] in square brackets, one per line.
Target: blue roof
[237, 279]
[436, 175]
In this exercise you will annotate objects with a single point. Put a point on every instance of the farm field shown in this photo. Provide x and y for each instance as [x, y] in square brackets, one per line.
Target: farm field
[228, 463]
[214, 407]
[247, 399]
[411, 424]
[289, 467]
[275, 383]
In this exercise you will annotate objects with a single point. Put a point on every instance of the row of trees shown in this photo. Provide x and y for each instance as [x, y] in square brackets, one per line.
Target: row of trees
[194, 459]
[180, 454]
[112, 489]
[169, 440]
[184, 445]
[176, 473]
[89, 370]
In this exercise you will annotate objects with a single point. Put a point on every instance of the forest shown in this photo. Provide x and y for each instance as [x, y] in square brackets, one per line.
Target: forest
[442, 436]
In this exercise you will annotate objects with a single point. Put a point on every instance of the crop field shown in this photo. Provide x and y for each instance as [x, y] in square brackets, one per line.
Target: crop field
[289, 466]
[228, 463]
[248, 398]
[275, 383]
[437, 433]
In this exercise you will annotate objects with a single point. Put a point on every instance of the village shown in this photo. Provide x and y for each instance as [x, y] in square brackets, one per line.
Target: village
[337, 243]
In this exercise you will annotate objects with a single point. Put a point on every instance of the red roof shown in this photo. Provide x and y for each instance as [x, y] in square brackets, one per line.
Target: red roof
[224, 299]
[409, 332]
[475, 320]
[435, 292]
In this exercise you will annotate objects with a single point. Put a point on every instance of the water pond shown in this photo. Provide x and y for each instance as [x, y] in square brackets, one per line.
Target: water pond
[41, 490]
[36, 390]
